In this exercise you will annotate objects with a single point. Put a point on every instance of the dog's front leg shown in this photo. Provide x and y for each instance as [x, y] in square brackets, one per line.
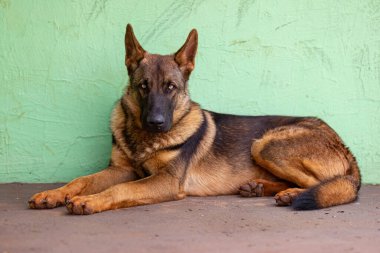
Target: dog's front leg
[81, 186]
[154, 189]
[120, 171]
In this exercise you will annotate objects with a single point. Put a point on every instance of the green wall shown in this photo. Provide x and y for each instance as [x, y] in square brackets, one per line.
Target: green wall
[62, 69]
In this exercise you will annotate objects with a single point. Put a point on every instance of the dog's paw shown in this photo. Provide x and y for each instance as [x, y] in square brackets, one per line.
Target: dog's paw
[47, 199]
[252, 189]
[83, 205]
[286, 197]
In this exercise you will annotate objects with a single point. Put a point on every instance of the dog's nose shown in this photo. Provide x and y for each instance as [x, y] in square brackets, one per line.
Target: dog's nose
[156, 120]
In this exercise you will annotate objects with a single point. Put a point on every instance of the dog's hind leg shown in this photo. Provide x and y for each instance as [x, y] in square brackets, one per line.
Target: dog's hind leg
[278, 152]
[312, 157]
[284, 152]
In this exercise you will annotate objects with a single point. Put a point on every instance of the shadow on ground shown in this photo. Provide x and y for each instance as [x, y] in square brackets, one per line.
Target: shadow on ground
[210, 224]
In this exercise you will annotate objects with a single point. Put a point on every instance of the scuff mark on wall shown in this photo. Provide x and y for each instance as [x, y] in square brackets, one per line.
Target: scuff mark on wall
[283, 25]
[243, 8]
[98, 7]
[309, 49]
[5, 4]
[173, 14]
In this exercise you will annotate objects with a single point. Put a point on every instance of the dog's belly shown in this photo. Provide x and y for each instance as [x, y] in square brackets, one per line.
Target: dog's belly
[219, 178]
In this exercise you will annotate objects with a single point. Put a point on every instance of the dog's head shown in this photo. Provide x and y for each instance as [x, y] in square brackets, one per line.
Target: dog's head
[157, 93]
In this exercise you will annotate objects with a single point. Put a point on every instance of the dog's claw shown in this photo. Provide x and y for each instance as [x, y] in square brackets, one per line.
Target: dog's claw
[67, 199]
[80, 206]
[69, 206]
[46, 199]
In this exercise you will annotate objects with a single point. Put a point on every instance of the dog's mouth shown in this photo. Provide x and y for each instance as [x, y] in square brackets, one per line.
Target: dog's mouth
[157, 128]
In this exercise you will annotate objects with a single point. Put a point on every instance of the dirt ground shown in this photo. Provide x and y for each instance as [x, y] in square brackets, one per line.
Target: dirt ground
[210, 224]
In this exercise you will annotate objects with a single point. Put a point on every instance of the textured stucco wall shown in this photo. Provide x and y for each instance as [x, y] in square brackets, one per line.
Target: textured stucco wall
[62, 69]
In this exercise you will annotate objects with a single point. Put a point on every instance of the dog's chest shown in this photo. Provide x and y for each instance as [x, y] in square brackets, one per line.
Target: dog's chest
[152, 161]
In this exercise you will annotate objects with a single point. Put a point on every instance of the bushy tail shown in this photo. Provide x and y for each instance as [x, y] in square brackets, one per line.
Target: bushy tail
[336, 191]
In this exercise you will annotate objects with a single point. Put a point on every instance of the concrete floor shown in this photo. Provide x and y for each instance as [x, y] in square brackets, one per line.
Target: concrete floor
[211, 224]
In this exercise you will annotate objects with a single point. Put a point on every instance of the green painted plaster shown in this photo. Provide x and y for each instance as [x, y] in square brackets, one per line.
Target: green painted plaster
[62, 69]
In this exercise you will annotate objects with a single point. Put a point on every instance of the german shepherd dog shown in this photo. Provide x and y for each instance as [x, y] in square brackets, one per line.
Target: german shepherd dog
[165, 147]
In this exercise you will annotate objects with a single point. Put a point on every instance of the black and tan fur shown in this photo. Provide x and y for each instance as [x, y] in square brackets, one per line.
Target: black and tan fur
[165, 147]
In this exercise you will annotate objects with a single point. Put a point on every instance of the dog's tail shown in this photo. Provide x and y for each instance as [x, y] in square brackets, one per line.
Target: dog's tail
[335, 191]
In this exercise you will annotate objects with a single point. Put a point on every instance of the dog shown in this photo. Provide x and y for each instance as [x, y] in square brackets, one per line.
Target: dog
[165, 147]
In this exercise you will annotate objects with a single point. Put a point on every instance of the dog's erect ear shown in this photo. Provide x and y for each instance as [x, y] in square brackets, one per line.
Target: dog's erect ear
[133, 50]
[185, 56]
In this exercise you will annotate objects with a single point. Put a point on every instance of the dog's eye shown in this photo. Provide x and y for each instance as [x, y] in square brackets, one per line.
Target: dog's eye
[143, 85]
[171, 86]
